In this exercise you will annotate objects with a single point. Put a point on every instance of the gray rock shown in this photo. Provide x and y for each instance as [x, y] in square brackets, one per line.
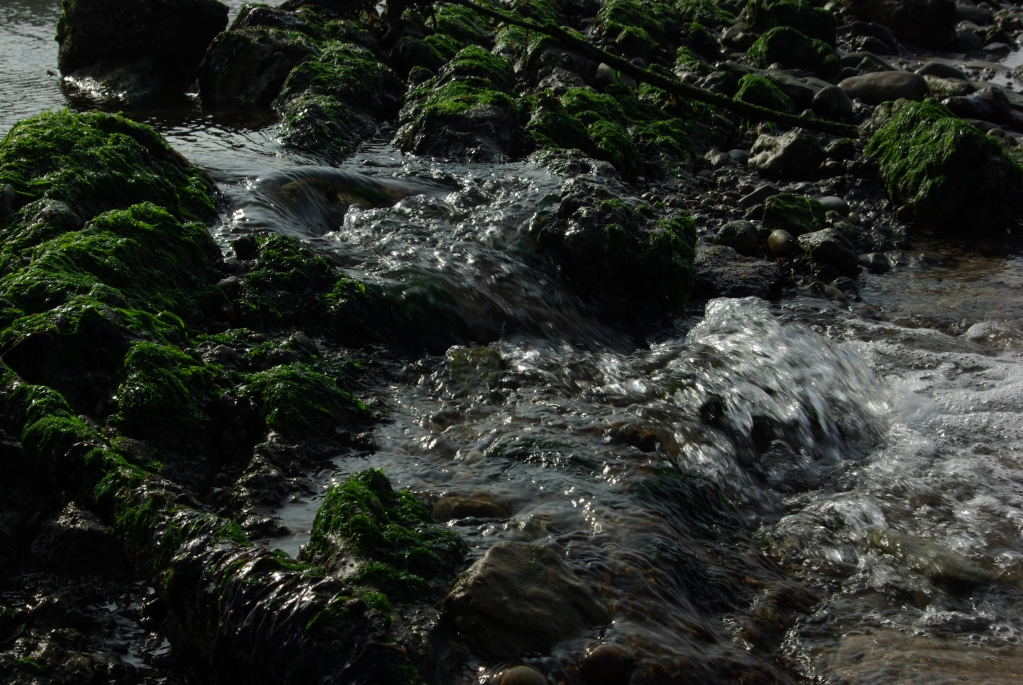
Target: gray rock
[792, 154]
[875, 263]
[782, 244]
[967, 41]
[942, 70]
[998, 49]
[835, 204]
[828, 247]
[606, 76]
[948, 87]
[720, 271]
[740, 156]
[448, 508]
[885, 86]
[740, 235]
[77, 541]
[522, 598]
[560, 80]
[978, 15]
[832, 102]
[739, 37]
[247, 67]
[758, 196]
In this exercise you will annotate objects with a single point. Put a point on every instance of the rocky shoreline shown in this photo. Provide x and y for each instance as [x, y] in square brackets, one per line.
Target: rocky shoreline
[162, 398]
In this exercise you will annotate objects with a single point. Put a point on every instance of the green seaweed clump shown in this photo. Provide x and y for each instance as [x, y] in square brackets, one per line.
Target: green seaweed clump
[325, 125]
[815, 22]
[382, 539]
[687, 62]
[703, 12]
[947, 172]
[794, 50]
[462, 25]
[349, 73]
[757, 90]
[637, 29]
[793, 213]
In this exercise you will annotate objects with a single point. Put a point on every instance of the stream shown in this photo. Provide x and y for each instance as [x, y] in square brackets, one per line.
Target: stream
[864, 462]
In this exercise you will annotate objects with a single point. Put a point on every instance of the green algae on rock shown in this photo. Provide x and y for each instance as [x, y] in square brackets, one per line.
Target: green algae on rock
[814, 22]
[793, 49]
[950, 175]
[370, 535]
[757, 90]
[793, 213]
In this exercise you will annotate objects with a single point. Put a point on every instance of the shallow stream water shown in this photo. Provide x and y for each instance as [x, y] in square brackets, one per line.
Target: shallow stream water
[870, 458]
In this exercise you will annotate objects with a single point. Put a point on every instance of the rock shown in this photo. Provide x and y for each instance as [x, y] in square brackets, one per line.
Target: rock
[247, 67]
[967, 40]
[168, 37]
[758, 196]
[782, 244]
[998, 49]
[989, 104]
[843, 148]
[832, 102]
[948, 87]
[741, 236]
[740, 156]
[521, 598]
[606, 665]
[835, 204]
[925, 23]
[793, 213]
[606, 76]
[75, 541]
[977, 15]
[946, 172]
[787, 46]
[814, 22]
[757, 90]
[739, 37]
[942, 70]
[885, 86]
[722, 272]
[828, 247]
[792, 154]
[520, 675]
[448, 508]
[930, 559]
[723, 82]
[875, 263]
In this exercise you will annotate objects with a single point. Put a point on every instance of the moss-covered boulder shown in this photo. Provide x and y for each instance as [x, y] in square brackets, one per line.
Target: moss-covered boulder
[815, 22]
[793, 213]
[703, 12]
[370, 535]
[791, 48]
[949, 174]
[632, 264]
[167, 38]
[247, 67]
[757, 90]
[638, 29]
[324, 126]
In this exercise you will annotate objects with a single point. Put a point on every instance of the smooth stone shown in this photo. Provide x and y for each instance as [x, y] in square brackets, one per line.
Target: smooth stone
[740, 156]
[792, 154]
[522, 598]
[835, 204]
[832, 102]
[875, 263]
[972, 13]
[782, 244]
[948, 87]
[448, 508]
[942, 70]
[923, 23]
[885, 86]
[606, 76]
[740, 235]
[521, 675]
[758, 196]
[997, 49]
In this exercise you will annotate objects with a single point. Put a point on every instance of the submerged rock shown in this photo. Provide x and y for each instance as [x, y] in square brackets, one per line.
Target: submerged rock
[162, 39]
[522, 598]
[947, 173]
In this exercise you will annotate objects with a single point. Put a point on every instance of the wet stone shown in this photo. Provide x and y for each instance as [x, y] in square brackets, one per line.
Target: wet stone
[520, 675]
[741, 236]
[722, 272]
[875, 263]
[782, 244]
[885, 86]
[77, 541]
[448, 508]
[606, 665]
[830, 248]
[832, 102]
[522, 598]
[792, 154]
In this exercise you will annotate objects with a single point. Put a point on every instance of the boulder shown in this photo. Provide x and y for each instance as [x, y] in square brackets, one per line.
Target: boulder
[791, 48]
[75, 541]
[757, 90]
[944, 171]
[166, 37]
[247, 67]
[942, 70]
[793, 213]
[828, 247]
[723, 272]
[522, 598]
[967, 40]
[792, 154]
[928, 24]
[818, 23]
[741, 236]
[885, 86]
[832, 102]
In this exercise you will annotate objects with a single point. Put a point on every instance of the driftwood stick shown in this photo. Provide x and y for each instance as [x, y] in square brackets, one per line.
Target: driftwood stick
[673, 86]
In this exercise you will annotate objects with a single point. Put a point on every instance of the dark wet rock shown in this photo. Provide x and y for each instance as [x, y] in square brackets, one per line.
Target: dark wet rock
[791, 48]
[631, 263]
[988, 104]
[925, 23]
[947, 87]
[757, 90]
[160, 39]
[972, 13]
[942, 70]
[607, 664]
[811, 21]
[520, 675]
[739, 37]
[473, 369]
[793, 213]
[829, 247]
[843, 148]
[794, 154]
[835, 204]
[522, 598]
[875, 263]
[741, 236]
[967, 40]
[448, 508]
[76, 541]
[325, 126]
[758, 196]
[247, 67]
[832, 102]
[998, 49]
[723, 272]
[948, 174]
[782, 244]
[885, 86]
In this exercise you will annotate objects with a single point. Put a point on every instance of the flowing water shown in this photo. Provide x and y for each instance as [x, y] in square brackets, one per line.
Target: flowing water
[839, 490]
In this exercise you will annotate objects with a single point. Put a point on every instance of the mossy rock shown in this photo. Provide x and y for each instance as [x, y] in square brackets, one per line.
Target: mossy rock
[793, 213]
[757, 90]
[552, 126]
[646, 24]
[96, 162]
[247, 67]
[410, 52]
[324, 126]
[952, 176]
[703, 12]
[463, 25]
[794, 50]
[815, 22]
[687, 62]
[376, 537]
[702, 40]
[474, 65]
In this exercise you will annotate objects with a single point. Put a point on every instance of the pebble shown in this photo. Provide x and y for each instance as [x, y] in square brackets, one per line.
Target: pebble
[782, 244]
[832, 102]
[758, 196]
[835, 204]
[739, 235]
[942, 70]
